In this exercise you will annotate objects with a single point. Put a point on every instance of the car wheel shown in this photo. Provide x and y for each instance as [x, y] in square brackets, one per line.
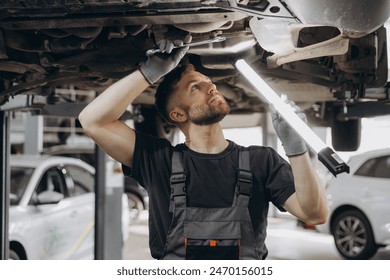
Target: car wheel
[13, 255]
[353, 236]
[135, 206]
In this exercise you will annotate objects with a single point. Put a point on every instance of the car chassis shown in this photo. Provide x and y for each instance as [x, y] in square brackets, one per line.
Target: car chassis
[330, 57]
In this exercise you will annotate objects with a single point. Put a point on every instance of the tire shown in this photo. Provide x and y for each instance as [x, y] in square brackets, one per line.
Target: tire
[135, 206]
[346, 135]
[154, 125]
[13, 255]
[353, 236]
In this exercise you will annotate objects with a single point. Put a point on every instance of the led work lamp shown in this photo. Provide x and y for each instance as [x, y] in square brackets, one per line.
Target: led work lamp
[325, 154]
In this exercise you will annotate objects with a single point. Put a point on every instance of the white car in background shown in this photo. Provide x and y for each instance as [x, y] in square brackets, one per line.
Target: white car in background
[138, 199]
[360, 206]
[52, 208]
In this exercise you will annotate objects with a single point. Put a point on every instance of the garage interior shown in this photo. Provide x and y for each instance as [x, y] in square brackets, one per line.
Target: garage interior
[338, 92]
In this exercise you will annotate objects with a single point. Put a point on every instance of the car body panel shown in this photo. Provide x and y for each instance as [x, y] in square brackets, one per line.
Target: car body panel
[50, 232]
[347, 15]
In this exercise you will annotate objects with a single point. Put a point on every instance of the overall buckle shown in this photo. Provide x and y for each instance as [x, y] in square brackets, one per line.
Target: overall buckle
[178, 184]
[244, 182]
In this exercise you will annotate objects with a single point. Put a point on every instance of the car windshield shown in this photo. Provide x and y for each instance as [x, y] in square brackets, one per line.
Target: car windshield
[20, 177]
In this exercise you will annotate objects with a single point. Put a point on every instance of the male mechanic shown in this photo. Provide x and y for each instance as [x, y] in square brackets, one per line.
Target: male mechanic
[209, 197]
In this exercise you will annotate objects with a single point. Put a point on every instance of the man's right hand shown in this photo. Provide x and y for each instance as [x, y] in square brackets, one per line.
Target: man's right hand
[160, 64]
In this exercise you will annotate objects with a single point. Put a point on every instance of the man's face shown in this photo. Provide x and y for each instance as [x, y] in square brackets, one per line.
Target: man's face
[200, 99]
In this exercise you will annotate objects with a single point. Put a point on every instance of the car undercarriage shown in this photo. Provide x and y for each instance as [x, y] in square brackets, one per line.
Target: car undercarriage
[330, 58]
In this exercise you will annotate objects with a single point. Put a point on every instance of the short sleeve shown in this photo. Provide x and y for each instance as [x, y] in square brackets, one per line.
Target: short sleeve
[280, 183]
[151, 160]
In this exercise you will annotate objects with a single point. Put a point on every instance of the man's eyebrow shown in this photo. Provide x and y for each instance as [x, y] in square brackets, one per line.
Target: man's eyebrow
[197, 80]
[191, 82]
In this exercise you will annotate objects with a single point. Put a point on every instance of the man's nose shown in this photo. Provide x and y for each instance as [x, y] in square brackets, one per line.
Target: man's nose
[211, 88]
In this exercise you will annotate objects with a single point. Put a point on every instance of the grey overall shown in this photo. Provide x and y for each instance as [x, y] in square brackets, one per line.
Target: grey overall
[210, 233]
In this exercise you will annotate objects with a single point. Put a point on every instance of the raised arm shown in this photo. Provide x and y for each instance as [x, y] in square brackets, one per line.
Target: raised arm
[308, 203]
[100, 118]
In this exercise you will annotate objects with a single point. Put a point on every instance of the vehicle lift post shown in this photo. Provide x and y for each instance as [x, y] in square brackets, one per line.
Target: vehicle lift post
[5, 183]
[325, 154]
[108, 208]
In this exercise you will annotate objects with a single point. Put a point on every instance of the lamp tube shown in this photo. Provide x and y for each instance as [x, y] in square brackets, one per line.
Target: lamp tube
[325, 154]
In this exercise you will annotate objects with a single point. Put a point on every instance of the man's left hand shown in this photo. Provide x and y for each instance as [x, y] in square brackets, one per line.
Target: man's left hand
[292, 142]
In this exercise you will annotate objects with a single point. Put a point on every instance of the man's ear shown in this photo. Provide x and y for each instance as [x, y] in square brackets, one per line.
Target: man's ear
[178, 115]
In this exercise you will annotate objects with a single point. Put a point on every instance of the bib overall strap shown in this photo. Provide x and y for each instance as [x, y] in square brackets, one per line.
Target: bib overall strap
[178, 182]
[244, 179]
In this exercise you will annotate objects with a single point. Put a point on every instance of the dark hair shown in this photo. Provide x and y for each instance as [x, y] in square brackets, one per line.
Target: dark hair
[167, 87]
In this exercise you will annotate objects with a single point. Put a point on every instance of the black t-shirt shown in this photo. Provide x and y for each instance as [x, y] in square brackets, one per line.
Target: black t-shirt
[211, 180]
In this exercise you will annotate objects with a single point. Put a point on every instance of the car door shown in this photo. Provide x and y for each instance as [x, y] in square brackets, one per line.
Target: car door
[374, 176]
[50, 224]
[80, 183]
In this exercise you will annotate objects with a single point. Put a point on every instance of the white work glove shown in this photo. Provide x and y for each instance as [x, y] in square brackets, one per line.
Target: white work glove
[160, 64]
[292, 143]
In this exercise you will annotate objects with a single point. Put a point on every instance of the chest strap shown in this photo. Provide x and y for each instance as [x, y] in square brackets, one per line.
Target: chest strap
[244, 179]
[244, 175]
[178, 181]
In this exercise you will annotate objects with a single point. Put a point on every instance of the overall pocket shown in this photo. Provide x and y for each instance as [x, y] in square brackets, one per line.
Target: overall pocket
[207, 240]
[211, 249]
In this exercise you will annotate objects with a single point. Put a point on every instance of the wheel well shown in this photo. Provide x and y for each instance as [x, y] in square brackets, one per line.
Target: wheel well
[343, 209]
[19, 249]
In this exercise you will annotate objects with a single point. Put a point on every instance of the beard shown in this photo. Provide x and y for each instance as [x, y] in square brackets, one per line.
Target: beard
[205, 115]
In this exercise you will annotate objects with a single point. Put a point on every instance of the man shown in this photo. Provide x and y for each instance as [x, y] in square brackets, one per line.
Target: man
[208, 196]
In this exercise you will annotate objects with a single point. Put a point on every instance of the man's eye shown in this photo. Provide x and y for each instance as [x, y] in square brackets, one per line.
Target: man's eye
[194, 87]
